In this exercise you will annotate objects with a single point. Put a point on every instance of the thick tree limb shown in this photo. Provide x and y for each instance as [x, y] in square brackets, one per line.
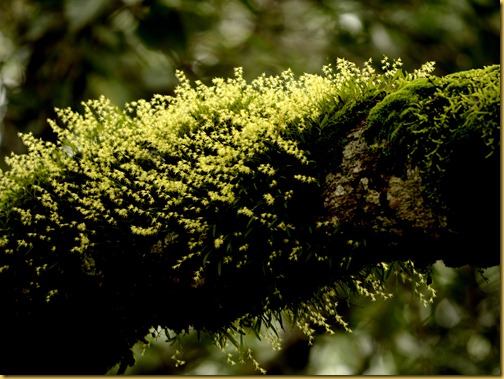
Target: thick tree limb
[229, 205]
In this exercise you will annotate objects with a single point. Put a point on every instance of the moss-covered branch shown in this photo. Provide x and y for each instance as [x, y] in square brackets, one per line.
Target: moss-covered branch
[228, 207]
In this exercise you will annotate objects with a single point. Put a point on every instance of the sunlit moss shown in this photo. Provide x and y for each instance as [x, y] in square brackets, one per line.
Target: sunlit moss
[211, 197]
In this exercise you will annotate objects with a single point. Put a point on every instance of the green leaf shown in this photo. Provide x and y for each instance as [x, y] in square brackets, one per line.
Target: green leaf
[83, 12]
[231, 338]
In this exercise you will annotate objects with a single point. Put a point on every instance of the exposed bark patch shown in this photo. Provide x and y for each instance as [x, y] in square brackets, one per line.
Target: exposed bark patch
[355, 189]
[364, 199]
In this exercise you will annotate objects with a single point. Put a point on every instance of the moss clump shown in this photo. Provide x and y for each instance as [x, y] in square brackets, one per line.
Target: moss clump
[199, 211]
[428, 120]
[449, 129]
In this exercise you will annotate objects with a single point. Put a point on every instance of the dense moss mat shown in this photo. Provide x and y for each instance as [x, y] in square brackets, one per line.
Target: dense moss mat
[449, 128]
[206, 210]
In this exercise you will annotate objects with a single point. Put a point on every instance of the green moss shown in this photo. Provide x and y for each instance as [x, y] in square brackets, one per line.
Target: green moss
[334, 128]
[205, 210]
[427, 121]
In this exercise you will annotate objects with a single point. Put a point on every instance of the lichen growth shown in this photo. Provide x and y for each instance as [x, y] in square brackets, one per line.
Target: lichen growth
[205, 210]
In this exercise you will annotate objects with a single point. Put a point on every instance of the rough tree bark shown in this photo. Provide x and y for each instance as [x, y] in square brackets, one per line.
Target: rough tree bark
[407, 173]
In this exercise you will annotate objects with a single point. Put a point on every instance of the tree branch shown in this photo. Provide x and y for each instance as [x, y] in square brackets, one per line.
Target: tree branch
[226, 207]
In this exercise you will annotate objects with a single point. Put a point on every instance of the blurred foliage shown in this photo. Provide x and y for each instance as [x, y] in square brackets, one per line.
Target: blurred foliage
[57, 53]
